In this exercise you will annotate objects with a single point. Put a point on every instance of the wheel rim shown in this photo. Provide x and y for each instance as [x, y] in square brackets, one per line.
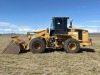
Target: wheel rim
[72, 46]
[37, 46]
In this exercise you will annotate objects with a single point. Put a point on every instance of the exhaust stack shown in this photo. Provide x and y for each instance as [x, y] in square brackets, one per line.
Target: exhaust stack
[71, 24]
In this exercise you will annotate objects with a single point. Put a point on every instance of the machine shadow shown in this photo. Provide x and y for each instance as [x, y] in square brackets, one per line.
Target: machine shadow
[86, 50]
[50, 50]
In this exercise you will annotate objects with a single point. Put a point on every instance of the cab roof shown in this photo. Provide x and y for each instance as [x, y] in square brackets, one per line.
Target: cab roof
[60, 17]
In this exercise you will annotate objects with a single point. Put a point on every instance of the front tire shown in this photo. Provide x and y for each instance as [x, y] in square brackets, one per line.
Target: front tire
[71, 46]
[37, 45]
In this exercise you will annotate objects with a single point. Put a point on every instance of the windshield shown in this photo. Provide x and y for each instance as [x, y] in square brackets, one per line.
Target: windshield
[52, 26]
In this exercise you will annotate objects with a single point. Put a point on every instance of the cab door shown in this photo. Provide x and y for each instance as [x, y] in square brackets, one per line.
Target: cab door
[60, 26]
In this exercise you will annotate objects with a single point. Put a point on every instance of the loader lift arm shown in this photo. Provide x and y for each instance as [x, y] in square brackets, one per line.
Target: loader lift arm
[18, 45]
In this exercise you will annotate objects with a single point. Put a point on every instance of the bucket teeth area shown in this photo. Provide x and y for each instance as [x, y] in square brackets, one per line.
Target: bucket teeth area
[12, 48]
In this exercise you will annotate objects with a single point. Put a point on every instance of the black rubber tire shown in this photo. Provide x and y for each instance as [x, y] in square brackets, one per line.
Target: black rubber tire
[77, 45]
[40, 41]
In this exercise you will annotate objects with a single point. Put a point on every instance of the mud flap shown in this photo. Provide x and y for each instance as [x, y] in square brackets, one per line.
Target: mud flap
[12, 48]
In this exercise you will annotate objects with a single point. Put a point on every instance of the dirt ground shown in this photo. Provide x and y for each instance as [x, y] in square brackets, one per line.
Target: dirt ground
[52, 62]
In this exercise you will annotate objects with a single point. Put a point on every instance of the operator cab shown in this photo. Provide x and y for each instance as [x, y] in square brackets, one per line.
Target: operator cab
[58, 25]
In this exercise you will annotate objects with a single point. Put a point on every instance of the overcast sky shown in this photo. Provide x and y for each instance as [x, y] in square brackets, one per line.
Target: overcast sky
[28, 15]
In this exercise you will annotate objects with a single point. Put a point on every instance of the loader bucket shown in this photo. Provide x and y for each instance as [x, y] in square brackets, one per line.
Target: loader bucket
[12, 48]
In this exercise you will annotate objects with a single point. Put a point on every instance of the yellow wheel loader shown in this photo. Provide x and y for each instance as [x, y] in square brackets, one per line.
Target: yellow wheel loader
[57, 37]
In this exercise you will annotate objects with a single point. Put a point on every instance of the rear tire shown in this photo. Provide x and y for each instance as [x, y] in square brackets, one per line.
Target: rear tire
[37, 45]
[71, 46]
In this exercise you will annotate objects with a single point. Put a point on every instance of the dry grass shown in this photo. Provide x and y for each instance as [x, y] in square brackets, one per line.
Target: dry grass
[87, 62]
